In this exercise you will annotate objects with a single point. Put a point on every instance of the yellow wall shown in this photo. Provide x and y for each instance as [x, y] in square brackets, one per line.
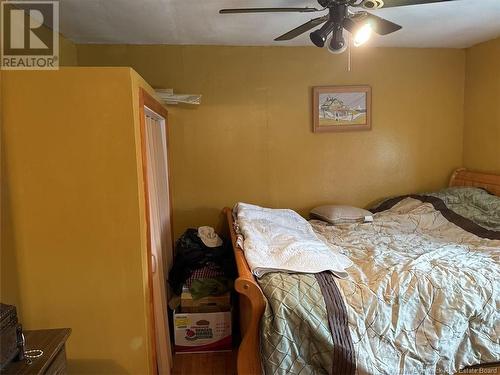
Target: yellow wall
[67, 52]
[73, 232]
[251, 138]
[482, 108]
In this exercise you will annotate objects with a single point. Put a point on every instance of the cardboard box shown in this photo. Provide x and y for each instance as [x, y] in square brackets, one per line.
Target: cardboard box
[206, 304]
[202, 332]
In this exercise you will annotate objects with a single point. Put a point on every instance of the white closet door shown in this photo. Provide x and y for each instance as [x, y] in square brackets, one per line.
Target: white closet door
[160, 231]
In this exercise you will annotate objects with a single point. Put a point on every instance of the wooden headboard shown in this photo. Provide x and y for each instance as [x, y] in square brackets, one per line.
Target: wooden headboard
[463, 177]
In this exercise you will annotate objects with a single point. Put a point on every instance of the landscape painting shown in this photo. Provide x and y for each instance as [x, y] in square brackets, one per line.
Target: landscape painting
[341, 108]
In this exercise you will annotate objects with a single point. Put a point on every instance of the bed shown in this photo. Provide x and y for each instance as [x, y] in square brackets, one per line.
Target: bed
[252, 302]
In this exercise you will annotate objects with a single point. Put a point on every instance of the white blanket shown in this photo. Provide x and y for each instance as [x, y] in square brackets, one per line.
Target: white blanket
[281, 240]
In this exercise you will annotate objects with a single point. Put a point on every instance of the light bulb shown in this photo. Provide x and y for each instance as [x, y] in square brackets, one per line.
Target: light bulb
[362, 35]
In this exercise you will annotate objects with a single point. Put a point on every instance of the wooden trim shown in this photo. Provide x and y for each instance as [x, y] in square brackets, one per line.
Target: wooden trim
[340, 89]
[488, 181]
[146, 100]
[153, 104]
[252, 306]
[142, 121]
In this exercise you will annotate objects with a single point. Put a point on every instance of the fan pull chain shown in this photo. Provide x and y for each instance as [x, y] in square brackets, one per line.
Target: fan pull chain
[349, 52]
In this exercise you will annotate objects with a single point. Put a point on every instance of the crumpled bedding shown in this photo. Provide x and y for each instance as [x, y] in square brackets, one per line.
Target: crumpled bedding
[281, 240]
[475, 204]
[423, 297]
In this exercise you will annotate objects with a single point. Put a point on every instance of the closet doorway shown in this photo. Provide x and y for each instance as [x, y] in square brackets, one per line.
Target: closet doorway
[159, 222]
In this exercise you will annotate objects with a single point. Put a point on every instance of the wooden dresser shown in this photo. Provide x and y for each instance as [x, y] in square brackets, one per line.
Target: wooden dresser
[53, 360]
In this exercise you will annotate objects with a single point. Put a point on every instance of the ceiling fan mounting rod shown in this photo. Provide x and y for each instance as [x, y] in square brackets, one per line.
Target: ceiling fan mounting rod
[334, 3]
[338, 13]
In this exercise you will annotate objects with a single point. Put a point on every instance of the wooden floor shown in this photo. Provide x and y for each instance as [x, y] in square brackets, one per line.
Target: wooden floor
[225, 364]
[205, 364]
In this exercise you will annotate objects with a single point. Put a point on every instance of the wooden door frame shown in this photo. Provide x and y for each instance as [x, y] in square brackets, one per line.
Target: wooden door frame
[148, 101]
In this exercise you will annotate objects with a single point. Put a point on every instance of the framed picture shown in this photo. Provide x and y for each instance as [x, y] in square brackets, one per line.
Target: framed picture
[341, 108]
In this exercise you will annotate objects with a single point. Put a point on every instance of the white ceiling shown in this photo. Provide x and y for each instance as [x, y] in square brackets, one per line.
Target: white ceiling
[457, 24]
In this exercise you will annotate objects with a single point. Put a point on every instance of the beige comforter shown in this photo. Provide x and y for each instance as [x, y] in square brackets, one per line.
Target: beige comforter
[422, 298]
[423, 295]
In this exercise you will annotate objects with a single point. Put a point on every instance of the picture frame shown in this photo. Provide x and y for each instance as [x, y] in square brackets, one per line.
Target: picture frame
[341, 108]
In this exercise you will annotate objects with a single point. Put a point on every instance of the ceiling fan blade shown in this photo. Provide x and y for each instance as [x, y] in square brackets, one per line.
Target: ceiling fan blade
[380, 25]
[401, 3]
[302, 28]
[269, 10]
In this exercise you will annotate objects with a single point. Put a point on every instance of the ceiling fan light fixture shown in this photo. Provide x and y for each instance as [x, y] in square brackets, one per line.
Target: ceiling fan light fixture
[319, 37]
[340, 15]
[337, 44]
[336, 49]
[362, 35]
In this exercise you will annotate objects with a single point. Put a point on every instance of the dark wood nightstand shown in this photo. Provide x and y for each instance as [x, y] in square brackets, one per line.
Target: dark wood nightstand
[53, 360]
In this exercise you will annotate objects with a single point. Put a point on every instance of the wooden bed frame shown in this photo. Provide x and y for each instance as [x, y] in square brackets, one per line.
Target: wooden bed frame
[463, 177]
[252, 301]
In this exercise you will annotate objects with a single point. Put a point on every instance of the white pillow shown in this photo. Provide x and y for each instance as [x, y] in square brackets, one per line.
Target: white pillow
[341, 214]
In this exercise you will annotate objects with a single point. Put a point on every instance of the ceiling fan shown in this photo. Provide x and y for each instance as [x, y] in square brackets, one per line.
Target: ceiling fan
[360, 23]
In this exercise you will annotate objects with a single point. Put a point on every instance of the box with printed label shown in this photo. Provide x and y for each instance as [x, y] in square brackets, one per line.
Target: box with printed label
[203, 332]
[206, 304]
